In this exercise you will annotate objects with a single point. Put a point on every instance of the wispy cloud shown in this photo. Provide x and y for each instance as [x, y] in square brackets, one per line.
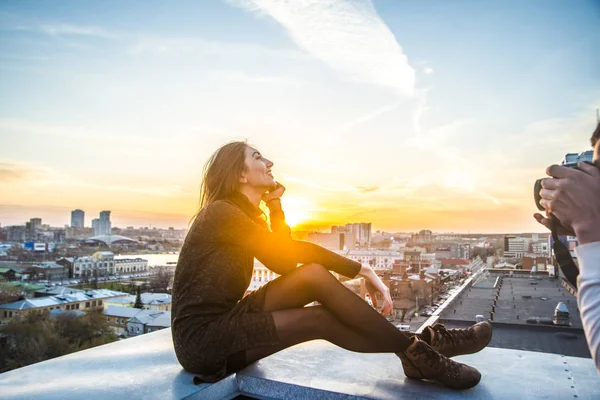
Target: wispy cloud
[29, 174]
[421, 97]
[158, 45]
[336, 134]
[349, 36]
[367, 189]
[243, 77]
[329, 188]
[13, 172]
[18, 23]
[74, 30]
[16, 125]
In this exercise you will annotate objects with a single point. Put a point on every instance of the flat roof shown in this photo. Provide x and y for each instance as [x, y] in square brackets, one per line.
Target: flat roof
[520, 298]
[146, 367]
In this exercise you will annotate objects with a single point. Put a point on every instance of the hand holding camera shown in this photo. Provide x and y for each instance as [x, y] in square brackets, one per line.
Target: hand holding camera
[572, 196]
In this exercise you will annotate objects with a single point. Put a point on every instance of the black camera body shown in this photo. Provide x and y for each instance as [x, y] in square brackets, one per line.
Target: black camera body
[570, 161]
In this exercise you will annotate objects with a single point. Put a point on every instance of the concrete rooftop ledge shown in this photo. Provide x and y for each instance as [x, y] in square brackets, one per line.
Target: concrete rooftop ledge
[145, 367]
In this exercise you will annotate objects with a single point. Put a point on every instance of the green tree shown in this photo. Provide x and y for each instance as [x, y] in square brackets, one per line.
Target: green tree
[138, 300]
[36, 337]
[161, 281]
[9, 293]
[94, 283]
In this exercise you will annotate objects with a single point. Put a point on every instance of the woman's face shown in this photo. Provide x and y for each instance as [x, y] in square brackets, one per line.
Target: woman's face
[258, 170]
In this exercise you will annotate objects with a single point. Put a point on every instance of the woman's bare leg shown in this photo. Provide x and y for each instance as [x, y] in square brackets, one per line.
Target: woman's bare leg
[344, 319]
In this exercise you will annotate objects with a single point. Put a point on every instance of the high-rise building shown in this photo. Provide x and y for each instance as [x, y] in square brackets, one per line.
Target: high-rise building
[77, 219]
[35, 223]
[515, 247]
[102, 225]
[32, 228]
[360, 233]
[331, 241]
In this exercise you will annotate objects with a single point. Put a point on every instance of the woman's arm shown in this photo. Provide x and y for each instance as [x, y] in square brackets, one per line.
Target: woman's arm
[226, 223]
[588, 296]
[277, 217]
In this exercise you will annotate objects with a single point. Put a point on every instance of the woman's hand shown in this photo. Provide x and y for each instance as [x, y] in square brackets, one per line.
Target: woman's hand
[275, 193]
[374, 286]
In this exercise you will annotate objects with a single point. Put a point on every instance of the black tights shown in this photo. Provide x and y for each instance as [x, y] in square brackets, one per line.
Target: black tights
[343, 319]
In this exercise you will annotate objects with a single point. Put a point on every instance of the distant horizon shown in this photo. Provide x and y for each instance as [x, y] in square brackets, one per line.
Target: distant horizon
[116, 217]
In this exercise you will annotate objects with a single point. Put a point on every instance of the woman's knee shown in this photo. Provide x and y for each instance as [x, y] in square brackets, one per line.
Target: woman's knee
[314, 276]
[314, 270]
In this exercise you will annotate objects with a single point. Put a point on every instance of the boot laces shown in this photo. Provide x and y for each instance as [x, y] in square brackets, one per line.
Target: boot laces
[455, 336]
[434, 359]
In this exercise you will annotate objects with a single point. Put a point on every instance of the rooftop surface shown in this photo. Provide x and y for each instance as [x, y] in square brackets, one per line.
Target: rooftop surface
[521, 297]
[145, 367]
[48, 301]
[539, 338]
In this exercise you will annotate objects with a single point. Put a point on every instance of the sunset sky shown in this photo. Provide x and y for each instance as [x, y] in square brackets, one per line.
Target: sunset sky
[410, 115]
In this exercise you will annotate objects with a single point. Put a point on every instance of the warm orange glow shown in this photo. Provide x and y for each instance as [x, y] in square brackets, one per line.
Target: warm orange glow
[297, 210]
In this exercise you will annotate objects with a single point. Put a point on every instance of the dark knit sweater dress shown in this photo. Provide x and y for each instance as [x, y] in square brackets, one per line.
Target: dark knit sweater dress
[211, 319]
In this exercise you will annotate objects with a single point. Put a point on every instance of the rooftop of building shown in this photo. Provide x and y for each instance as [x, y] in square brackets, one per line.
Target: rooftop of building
[521, 298]
[146, 367]
[126, 260]
[538, 338]
[150, 317]
[455, 261]
[121, 312]
[50, 301]
[147, 298]
[523, 313]
[57, 291]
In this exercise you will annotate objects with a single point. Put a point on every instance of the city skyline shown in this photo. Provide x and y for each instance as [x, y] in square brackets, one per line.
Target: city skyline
[408, 116]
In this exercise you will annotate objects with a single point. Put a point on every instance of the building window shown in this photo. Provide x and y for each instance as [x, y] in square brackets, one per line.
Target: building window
[99, 302]
[5, 314]
[77, 306]
[87, 304]
[94, 303]
[107, 319]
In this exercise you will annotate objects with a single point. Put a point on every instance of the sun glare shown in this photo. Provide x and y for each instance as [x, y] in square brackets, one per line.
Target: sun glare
[296, 210]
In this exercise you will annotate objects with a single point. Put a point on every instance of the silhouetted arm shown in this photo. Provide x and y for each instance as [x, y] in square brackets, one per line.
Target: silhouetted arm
[276, 250]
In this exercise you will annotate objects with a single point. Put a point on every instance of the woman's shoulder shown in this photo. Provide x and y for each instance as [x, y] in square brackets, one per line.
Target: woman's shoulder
[212, 216]
[219, 209]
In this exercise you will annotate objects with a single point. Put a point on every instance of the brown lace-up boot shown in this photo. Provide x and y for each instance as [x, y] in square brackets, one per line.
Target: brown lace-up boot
[420, 361]
[454, 342]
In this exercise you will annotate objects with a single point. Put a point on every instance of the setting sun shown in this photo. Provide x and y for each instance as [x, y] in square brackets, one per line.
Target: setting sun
[296, 210]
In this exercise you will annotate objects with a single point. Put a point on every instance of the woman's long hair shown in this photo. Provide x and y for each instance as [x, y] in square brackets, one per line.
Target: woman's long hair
[221, 173]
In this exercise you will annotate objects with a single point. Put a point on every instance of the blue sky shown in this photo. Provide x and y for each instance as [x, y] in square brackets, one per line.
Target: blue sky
[408, 114]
